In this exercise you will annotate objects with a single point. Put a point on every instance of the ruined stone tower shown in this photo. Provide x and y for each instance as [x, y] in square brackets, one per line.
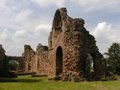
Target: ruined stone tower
[71, 48]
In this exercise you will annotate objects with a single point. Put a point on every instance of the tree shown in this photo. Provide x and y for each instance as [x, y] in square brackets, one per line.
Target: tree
[89, 70]
[113, 58]
[13, 64]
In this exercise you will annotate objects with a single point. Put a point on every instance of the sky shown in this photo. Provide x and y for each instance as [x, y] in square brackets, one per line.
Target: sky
[30, 21]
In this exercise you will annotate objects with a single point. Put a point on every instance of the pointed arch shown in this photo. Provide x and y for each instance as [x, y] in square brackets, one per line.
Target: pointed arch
[59, 61]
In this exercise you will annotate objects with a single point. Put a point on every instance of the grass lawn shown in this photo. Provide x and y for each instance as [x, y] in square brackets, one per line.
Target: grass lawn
[41, 83]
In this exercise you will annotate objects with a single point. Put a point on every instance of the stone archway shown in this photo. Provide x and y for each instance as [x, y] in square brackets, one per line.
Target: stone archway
[90, 66]
[59, 61]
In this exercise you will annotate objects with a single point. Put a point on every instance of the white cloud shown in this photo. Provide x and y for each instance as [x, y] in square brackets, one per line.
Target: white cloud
[105, 35]
[4, 35]
[18, 28]
[14, 41]
[2, 3]
[42, 32]
[20, 22]
[23, 15]
[20, 34]
[46, 3]
[98, 4]
[101, 28]
[43, 28]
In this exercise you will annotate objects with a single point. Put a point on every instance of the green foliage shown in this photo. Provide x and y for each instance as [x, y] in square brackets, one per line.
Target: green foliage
[89, 64]
[13, 64]
[89, 70]
[113, 58]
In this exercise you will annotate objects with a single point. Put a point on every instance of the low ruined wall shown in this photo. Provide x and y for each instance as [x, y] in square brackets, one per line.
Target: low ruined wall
[35, 61]
[42, 60]
[28, 59]
[31, 62]
[4, 60]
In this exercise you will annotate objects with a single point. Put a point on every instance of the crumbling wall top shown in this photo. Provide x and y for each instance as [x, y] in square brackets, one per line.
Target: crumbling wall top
[41, 47]
[1, 49]
[27, 48]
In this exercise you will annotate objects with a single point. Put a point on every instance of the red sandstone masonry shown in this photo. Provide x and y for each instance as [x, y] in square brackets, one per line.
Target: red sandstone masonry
[69, 45]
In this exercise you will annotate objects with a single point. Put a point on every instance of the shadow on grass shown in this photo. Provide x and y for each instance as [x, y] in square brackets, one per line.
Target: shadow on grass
[19, 80]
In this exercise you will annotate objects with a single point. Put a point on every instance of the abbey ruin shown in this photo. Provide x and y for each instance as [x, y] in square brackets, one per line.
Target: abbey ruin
[67, 57]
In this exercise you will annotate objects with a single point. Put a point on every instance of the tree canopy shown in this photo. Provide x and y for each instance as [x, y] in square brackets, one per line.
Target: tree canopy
[13, 64]
[113, 58]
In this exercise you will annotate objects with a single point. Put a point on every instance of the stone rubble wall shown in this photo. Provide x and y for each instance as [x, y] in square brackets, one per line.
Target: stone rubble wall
[35, 62]
[2, 58]
[42, 60]
[76, 42]
[30, 62]
[28, 59]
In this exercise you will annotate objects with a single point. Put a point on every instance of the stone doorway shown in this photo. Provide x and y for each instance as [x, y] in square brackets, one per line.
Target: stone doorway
[90, 66]
[59, 61]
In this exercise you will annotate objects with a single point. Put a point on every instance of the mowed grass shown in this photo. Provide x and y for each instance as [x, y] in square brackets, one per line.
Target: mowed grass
[41, 83]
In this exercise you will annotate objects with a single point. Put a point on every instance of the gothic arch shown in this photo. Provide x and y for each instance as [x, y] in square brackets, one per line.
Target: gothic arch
[59, 61]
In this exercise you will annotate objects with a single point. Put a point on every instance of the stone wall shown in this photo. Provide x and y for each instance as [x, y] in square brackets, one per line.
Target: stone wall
[30, 62]
[69, 44]
[28, 59]
[42, 59]
[35, 61]
[18, 59]
[2, 59]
